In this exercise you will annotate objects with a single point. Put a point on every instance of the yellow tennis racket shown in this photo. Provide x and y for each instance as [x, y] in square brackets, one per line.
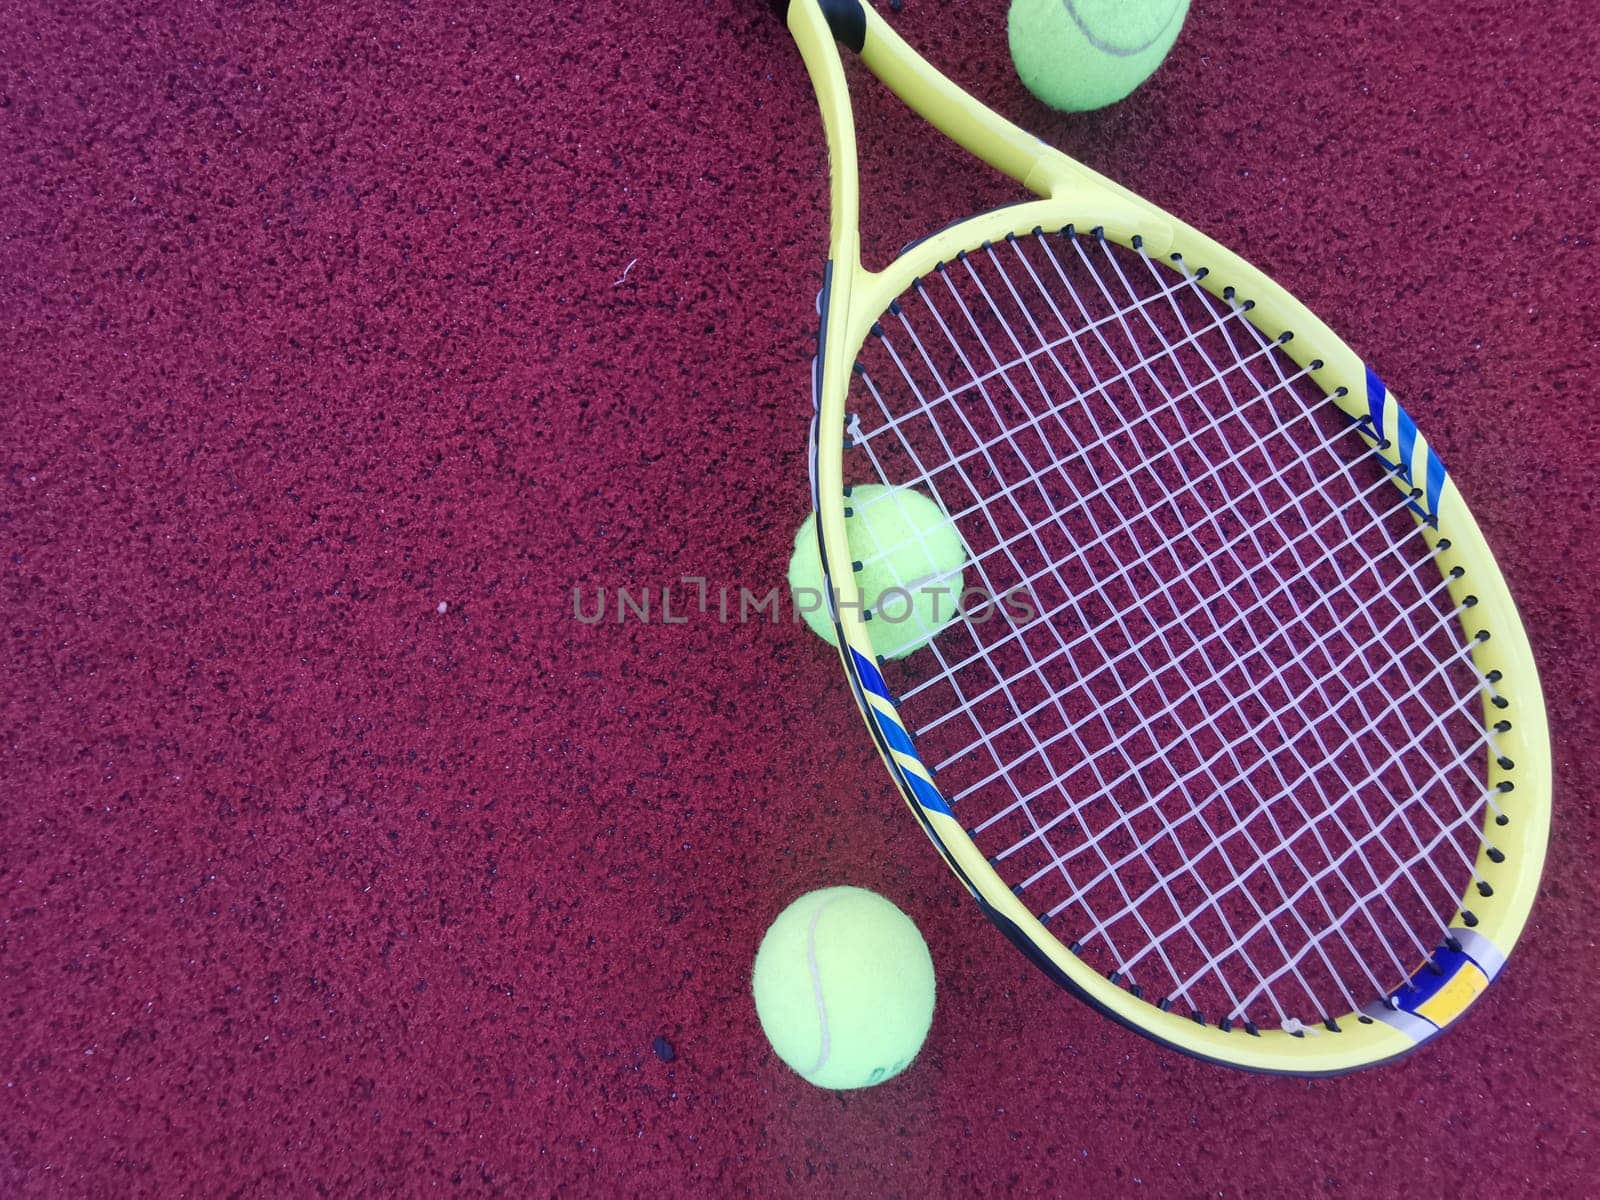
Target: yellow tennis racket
[1245, 746]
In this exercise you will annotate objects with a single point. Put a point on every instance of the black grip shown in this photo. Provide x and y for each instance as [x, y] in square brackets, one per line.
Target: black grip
[845, 18]
[848, 20]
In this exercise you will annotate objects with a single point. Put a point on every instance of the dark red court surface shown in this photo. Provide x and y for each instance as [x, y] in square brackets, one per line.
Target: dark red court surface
[342, 342]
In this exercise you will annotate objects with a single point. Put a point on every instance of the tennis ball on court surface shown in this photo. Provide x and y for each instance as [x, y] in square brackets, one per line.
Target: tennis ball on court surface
[1076, 55]
[844, 988]
[911, 568]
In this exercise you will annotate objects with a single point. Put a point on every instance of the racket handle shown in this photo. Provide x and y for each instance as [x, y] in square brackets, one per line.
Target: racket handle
[848, 20]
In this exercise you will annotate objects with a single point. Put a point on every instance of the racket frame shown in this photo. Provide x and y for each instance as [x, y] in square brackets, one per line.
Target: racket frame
[1070, 194]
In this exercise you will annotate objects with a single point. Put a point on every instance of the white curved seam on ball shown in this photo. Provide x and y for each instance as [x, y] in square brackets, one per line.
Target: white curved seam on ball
[816, 986]
[1109, 47]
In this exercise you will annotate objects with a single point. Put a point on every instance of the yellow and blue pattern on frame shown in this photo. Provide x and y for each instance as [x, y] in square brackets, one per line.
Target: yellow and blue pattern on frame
[896, 740]
[1395, 438]
[1441, 991]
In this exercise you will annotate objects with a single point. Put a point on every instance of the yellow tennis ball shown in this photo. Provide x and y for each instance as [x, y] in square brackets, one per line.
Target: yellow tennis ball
[1077, 55]
[844, 988]
[911, 573]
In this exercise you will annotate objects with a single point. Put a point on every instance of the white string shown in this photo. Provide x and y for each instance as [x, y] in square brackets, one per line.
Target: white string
[941, 391]
[1207, 547]
[1190, 483]
[972, 323]
[1155, 379]
[1309, 772]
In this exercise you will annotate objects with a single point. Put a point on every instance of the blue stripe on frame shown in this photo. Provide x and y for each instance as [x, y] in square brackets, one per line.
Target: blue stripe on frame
[1376, 395]
[1435, 483]
[927, 795]
[896, 736]
[871, 678]
[1408, 439]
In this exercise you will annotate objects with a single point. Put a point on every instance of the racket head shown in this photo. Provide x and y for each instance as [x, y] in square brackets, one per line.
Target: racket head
[1438, 982]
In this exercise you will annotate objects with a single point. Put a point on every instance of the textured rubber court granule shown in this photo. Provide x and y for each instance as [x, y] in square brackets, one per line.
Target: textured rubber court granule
[341, 342]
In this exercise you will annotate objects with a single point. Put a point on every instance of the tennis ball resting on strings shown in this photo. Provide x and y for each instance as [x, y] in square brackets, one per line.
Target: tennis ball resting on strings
[911, 574]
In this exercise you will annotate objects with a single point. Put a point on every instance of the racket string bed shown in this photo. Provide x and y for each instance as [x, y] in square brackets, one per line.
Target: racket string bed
[1237, 653]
